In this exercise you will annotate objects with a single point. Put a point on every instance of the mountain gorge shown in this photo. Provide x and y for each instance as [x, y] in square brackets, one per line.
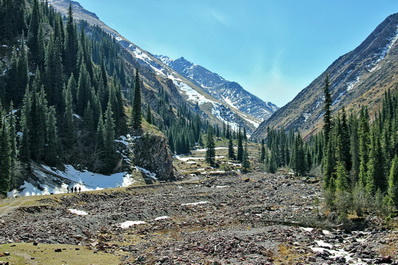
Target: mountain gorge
[358, 78]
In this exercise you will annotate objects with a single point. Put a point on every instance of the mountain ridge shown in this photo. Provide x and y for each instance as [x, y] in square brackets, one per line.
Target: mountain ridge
[357, 78]
[228, 92]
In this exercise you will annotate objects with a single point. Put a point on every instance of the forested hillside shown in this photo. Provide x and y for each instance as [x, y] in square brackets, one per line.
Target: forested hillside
[67, 91]
[356, 153]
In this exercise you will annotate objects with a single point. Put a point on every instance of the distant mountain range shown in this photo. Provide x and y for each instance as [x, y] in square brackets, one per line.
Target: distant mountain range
[358, 78]
[229, 93]
[215, 98]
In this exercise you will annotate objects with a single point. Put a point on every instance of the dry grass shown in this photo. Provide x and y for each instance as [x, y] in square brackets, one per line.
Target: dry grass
[22, 254]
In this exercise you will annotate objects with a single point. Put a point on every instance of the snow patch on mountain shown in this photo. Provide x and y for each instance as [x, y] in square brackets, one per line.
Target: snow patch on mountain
[229, 93]
[383, 53]
[351, 85]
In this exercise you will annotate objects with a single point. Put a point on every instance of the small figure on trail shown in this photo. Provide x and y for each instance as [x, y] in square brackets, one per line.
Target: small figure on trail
[67, 189]
[76, 189]
[71, 189]
[80, 189]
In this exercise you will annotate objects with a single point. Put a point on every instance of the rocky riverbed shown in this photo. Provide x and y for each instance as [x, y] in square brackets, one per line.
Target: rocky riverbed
[255, 218]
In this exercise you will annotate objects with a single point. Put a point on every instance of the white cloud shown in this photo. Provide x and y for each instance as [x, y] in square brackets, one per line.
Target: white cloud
[219, 17]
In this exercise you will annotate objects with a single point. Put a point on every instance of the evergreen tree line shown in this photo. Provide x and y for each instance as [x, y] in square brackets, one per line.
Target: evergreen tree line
[358, 157]
[281, 149]
[242, 154]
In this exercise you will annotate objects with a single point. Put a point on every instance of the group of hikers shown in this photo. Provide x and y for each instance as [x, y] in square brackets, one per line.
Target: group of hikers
[74, 189]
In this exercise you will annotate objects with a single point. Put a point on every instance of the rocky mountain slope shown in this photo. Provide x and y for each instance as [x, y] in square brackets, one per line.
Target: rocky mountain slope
[358, 78]
[230, 93]
[158, 76]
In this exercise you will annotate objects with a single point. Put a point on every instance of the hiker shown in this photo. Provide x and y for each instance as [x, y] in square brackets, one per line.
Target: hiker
[76, 189]
[67, 189]
[80, 189]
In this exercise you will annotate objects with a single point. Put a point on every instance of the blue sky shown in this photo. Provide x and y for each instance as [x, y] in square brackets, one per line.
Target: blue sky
[272, 48]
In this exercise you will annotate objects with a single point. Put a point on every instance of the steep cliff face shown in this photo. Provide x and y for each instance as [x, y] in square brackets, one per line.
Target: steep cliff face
[357, 78]
[152, 155]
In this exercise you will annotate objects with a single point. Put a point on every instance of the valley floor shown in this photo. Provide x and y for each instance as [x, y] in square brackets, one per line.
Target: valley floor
[255, 218]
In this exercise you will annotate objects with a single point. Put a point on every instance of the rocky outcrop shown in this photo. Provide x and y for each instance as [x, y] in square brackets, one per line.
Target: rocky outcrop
[151, 152]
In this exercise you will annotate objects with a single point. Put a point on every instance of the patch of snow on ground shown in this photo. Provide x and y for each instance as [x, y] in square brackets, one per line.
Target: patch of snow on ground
[185, 159]
[147, 173]
[307, 229]
[123, 140]
[85, 180]
[162, 218]
[326, 232]
[194, 203]
[78, 212]
[127, 224]
[323, 244]
[90, 180]
[217, 148]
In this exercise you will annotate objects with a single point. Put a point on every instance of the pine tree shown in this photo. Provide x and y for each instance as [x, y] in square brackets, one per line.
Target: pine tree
[342, 183]
[240, 147]
[5, 157]
[210, 148]
[231, 151]
[84, 90]
[392, 191]
[375, 175]
[33, 35]
[262, 155]
[24, 148]
[364, 142]
[149, 115]
[51, 147]
[245, 160]
[68, 129]
[71, 45]
[136, 115]
[354, 146]
[109, 144]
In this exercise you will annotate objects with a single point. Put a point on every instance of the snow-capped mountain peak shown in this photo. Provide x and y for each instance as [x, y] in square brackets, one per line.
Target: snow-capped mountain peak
[230, 93]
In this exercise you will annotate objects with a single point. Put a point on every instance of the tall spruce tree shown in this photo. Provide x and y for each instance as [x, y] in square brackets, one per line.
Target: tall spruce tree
[262, 154]
[231, 151]
[245, 159]
[392, 191]
[210, 148]
[240, 146]
[136, 115]
[5, 155]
